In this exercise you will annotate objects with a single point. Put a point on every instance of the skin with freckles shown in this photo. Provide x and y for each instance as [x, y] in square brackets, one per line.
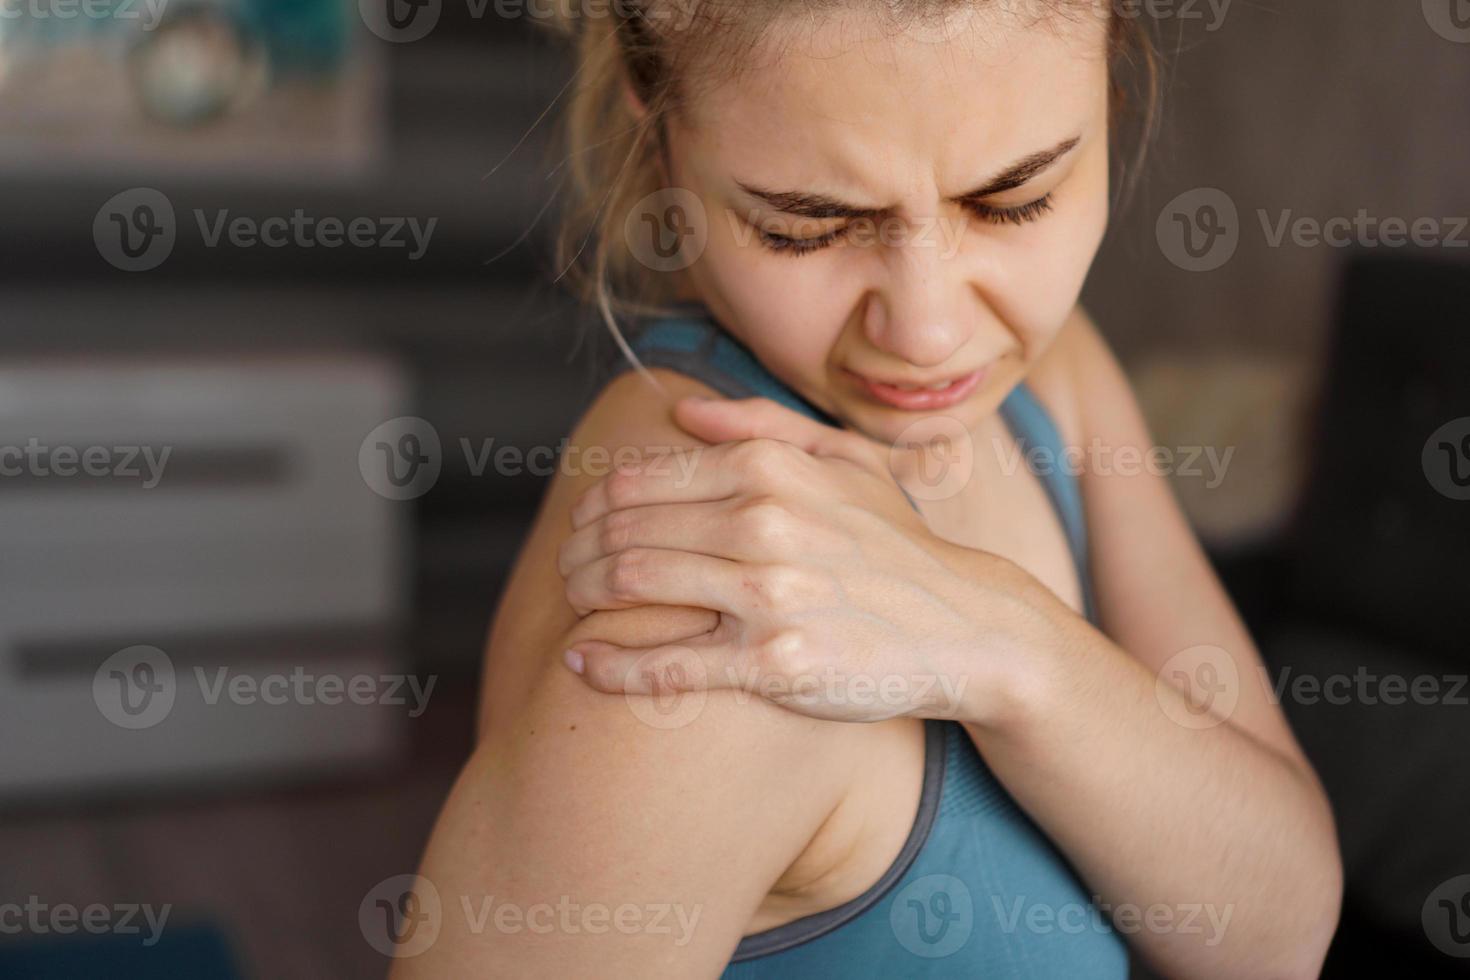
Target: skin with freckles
[885, 210]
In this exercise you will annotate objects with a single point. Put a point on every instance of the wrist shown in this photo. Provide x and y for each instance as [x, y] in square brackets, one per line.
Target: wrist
[1021, 637]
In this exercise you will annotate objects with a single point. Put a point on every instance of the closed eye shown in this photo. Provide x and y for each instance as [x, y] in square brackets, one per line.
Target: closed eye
[786, 245]
[1017, 215]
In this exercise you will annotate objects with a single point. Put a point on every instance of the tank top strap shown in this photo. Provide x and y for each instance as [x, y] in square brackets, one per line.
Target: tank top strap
[1032, 427]
[695, 346]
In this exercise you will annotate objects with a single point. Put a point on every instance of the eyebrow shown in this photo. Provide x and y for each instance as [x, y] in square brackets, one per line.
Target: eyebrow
[820, 206]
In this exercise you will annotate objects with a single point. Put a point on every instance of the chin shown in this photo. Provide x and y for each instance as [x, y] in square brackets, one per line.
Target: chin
[891, 426]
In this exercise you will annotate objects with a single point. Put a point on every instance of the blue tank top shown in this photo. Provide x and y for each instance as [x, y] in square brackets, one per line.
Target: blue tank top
[977, 890]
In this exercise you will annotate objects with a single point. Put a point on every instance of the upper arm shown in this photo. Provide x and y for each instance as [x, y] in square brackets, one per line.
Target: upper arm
[1156, 593]
[596, 802]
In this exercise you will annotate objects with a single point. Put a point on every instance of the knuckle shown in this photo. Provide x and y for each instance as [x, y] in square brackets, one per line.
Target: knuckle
[766, 460]
[576, 595]
[764, 522]
[786, 653]
[621, 488]
[626, 574]
[616, 533]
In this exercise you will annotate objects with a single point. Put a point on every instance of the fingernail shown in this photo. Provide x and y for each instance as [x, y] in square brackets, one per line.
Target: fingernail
[574, 660]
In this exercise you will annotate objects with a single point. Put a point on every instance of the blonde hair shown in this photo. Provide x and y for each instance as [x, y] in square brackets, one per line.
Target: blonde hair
[659, 51]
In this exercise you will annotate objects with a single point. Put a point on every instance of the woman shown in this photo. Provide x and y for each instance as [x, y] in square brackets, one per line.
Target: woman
[848, 679]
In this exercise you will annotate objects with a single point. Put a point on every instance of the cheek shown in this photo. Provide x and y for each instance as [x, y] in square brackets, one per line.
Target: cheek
[1040, 280]
[782, 308]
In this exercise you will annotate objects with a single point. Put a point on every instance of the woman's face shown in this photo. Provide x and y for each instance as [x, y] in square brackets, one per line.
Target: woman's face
[890, 212]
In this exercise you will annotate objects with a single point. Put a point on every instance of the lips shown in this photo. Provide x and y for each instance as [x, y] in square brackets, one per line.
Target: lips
[922, 398]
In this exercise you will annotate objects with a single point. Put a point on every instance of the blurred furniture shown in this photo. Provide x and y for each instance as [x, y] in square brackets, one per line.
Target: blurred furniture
[1373, 582]
[223, 521]
[492, 354]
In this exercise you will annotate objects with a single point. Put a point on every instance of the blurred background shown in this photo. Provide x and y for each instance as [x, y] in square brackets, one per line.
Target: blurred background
[275, 291]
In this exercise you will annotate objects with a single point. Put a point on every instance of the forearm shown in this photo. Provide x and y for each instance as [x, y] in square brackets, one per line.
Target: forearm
[1229, 841]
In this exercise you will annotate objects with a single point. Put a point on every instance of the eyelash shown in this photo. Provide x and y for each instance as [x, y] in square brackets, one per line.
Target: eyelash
[1019, 215]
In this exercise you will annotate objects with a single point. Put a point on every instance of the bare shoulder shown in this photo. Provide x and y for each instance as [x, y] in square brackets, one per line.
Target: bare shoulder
[628, 416]
[706, 802]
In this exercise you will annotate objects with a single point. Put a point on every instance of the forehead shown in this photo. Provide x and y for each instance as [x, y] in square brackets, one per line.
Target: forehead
[849, 100]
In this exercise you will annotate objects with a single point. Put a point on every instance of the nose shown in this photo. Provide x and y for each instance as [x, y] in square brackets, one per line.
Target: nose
[924, 309]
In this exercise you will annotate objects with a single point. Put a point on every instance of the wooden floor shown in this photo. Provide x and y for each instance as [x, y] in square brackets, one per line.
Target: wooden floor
[281, 870]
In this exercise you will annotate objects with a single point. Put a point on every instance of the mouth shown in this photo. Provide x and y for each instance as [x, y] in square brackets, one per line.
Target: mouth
[922, 397]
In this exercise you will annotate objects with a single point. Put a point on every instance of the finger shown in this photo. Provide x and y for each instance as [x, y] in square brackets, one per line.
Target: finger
[707, 473]
[645, 626]
[729, 529]
[644, 576]
[685, 475]
[725, 420]
[679, 668]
